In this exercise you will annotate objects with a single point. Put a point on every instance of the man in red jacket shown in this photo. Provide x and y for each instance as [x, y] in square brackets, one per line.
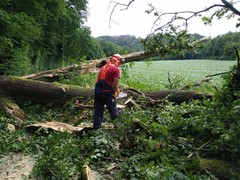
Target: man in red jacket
[106, 89]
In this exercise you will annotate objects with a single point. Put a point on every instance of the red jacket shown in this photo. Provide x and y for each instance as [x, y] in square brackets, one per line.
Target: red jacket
[111, 72]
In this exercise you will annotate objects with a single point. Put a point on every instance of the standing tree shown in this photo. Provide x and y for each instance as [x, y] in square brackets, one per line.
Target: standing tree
[36, 35]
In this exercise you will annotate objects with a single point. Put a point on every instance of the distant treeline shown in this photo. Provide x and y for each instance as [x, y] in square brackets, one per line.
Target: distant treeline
[221, 47]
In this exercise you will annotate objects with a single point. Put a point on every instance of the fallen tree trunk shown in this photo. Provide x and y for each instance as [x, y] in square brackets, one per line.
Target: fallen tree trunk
[54, 74]
[219, 169]
[177, 96]
[83, 68]
[57, 94]
[61, 93]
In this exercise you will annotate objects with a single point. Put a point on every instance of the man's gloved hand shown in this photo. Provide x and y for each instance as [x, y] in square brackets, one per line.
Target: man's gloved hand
[117, 92]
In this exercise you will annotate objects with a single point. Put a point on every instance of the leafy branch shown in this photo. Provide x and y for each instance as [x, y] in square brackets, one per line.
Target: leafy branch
[226, 6]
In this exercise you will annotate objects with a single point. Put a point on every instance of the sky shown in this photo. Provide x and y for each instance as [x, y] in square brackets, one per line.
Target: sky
[134, 20]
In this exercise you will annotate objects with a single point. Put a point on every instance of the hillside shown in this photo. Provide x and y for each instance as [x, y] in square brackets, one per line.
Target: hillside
[209, 49]
[119, 44]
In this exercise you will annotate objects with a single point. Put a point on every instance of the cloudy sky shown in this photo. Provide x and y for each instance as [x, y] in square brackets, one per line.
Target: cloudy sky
[134, 20]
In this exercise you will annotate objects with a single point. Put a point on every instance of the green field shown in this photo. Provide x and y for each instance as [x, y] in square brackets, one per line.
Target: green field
[156, 75]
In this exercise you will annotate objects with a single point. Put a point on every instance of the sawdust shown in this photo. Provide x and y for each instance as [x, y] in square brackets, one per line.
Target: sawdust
[16, 167]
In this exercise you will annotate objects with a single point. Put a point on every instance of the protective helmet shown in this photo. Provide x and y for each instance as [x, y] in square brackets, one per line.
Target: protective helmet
[117, 59]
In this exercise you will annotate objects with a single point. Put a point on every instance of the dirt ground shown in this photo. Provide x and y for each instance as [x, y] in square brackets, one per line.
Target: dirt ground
[16, 167]
[19, 167]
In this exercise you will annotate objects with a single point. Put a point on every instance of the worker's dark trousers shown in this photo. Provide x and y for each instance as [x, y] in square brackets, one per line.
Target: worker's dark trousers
[99, 101]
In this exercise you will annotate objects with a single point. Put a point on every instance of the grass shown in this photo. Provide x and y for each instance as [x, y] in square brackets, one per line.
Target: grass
[156, 75]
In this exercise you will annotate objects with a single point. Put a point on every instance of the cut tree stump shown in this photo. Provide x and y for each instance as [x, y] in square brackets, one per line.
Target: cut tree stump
[12, 109]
